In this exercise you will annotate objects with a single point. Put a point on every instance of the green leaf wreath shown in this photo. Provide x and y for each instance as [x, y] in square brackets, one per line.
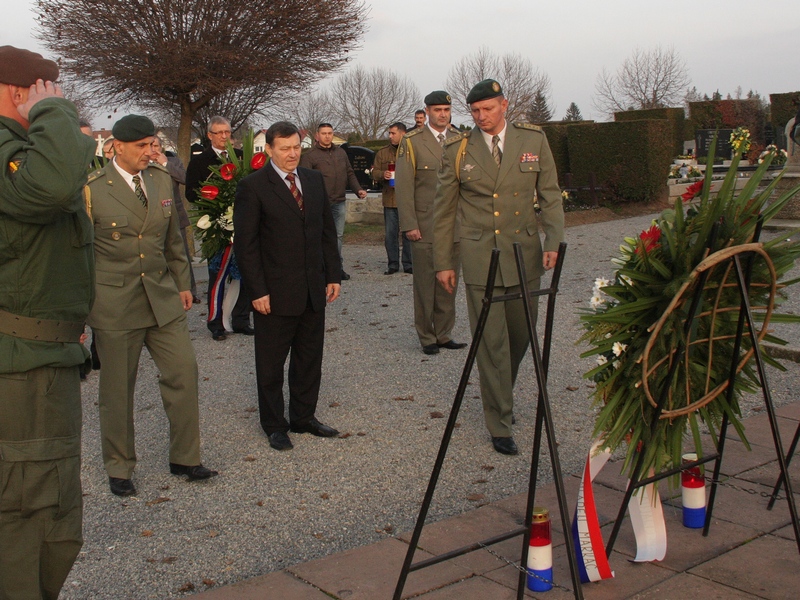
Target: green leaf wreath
[212, 216]
[627, 310]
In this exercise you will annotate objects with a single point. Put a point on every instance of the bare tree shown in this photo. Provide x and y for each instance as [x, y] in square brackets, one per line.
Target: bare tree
[647, 79]
[308, 110]
[186, 53]
[368, 101]
[520, 80]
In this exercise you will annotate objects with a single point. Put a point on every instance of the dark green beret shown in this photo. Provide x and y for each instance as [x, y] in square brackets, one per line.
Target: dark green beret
[23, 67]
[438, 97]
[133, 128]
[488, 88]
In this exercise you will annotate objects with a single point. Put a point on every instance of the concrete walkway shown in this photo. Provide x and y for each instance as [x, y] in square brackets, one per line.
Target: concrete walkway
[750, 552]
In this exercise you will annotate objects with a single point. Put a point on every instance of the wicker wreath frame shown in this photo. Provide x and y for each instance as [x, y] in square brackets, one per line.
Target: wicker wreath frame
[709, 263]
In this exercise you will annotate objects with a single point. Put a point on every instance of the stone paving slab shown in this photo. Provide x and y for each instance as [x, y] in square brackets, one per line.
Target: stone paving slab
[280, 585]
[767, 568]
[684, 585]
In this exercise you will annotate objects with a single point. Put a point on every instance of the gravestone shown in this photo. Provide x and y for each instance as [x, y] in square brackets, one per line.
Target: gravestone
[704, 137]
[791, 177]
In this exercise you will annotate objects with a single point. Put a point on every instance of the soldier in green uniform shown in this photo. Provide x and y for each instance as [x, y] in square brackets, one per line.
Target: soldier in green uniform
[500, 179]
[418, 160]
[142, 294]
[46, 287]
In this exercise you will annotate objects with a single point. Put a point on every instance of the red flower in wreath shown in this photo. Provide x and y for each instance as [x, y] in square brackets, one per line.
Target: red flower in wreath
[259, 160]
[209, 192]
[227, 171]
[693, 190]
[650, 238]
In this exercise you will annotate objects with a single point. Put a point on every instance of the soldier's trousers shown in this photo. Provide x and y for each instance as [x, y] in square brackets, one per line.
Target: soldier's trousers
[40, 486]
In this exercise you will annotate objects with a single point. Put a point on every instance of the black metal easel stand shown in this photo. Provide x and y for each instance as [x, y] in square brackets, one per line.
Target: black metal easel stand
[745, 317]
[543, 418]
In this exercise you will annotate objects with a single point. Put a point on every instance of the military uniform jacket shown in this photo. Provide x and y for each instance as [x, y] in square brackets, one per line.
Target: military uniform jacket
[384, 156]
[418, 160]
[139, 255]
[496, 205]
[46, 269]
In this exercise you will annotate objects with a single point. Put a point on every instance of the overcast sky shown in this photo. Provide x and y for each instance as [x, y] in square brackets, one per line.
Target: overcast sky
[725, 44]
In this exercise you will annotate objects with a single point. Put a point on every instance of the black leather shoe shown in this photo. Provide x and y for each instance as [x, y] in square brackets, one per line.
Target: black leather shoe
[390, 271]
[280, 441]
[196, 300]
[409, 271]
[431, 349]
[246, 330]
[505, 445]
[218, 336]
[121, 487]
[316, 428]
[345, 276]
[193, 473]
[451, 345]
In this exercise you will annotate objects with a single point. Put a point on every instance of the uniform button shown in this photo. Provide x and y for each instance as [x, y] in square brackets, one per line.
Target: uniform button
[517, 231]
[497, 232]
[140, 236]
[495, 195]
[497, 213]
[141, 256]
[516, 213]
[425, 167]
[142, 274]
[161, 272]
[113, 224]
[516, 193]
[115, 236]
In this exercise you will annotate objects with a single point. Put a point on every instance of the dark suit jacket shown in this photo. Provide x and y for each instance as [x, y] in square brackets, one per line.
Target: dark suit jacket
[198, 170]
[282, 252]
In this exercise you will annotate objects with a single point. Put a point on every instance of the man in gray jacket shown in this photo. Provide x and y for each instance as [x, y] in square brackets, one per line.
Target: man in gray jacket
[332, 162]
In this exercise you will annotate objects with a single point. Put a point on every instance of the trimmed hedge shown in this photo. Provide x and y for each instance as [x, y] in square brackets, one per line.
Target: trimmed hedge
[729, 114]
[676, 116]
[557, 139]
[630, 159]
[783, 109]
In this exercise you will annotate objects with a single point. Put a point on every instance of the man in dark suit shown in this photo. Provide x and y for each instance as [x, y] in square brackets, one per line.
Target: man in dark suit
[289, 259]
[199, 169]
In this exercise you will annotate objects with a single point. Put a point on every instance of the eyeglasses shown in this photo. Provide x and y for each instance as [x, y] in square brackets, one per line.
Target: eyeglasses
[228, 131]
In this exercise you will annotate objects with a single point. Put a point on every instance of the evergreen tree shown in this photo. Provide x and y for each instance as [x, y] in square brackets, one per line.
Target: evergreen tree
[539, 112]
[573, 113]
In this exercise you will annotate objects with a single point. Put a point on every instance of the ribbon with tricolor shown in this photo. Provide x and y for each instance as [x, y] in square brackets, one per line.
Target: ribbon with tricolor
[218, 291]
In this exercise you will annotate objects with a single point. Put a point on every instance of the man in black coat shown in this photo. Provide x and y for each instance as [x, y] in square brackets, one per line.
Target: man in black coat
[286, 247]
[199, 169]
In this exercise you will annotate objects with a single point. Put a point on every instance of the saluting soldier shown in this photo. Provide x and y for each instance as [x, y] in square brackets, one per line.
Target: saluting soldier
[501, 180]
[46, 288]
[142, 293]
[418, 160]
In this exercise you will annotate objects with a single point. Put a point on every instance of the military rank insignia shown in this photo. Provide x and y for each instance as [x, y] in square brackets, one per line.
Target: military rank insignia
[528, 157]
[467, 167]
[167, 202]
[13, 166]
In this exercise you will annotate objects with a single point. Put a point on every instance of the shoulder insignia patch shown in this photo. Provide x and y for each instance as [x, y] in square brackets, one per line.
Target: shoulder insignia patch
[157, 166]
[401, 151]
[94, 175]
[452, 140]
[530, 126]
[414, 132]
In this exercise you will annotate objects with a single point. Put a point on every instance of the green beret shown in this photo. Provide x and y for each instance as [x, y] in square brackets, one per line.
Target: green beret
[23, 67]
[133, 128]
[488, 88]
[437, 97]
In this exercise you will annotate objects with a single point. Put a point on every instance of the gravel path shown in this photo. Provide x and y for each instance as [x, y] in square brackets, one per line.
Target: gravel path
[268, 510]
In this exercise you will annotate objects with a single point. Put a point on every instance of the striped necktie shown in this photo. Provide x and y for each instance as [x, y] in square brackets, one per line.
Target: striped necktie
[440, 137]
[137, 188]
[298, 197]
[497, 154]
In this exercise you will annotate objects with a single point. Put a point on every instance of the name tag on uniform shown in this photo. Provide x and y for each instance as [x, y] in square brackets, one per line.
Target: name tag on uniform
[166, 203]
[528, 157]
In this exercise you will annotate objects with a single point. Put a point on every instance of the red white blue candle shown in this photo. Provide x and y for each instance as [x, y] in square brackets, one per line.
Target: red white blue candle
[540, 552]
[693, 494]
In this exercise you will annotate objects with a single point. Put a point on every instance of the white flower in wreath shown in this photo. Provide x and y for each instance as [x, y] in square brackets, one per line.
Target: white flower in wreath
[601, 359]
[600, 283]
[203, 222]
[618, 348]
[596, 301]
[227, 219]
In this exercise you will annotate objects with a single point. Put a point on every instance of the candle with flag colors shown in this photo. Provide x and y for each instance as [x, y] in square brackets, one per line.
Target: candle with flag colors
[540, 552]
[693, 494]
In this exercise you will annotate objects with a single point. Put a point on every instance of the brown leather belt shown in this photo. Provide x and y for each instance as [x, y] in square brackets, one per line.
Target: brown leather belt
[40, 330]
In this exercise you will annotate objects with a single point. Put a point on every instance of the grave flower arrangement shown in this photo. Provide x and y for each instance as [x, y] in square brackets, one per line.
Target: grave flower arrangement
[213, 213]
[691, 172]
[779, 156]
[638, 302]
[740, 140]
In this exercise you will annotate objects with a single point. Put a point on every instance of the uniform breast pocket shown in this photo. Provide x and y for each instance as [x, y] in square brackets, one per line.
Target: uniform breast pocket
[110, 278]
[111, 226]
[529, 167]
[166, 211]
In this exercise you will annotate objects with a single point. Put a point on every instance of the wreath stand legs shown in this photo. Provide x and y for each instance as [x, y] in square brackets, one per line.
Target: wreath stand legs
[543, 418]
[745, 315]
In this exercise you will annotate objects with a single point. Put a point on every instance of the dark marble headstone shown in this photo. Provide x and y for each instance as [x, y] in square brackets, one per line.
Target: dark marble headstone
[361, 160]
[704, 137]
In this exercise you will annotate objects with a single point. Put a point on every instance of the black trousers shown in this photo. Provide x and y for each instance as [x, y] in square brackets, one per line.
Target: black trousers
[301, 338]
